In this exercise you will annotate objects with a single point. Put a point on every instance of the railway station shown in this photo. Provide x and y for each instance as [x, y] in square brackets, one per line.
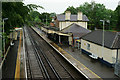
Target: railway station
[47, 55]
[64, 48]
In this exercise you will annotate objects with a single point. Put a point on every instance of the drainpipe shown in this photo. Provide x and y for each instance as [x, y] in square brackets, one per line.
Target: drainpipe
[72, 44]
[117, 57]
[59, 39]
[80, 47]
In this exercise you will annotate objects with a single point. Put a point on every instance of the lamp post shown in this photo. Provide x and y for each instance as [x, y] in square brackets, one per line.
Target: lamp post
[103, 37]
[108, 21]
[3, 32]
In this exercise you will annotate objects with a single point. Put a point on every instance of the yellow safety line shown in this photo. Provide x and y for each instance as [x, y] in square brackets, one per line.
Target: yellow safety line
[17, 71]
[79, 62]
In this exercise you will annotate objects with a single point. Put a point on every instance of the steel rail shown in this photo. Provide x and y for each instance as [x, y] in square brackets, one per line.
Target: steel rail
[56, 59]
[39, 60]
[55, 72]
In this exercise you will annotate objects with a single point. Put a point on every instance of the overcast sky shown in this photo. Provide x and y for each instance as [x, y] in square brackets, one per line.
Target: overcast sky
[59, 6]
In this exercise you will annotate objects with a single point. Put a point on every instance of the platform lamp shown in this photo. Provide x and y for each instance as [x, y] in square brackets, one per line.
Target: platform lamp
[103, 37]
[4, 19]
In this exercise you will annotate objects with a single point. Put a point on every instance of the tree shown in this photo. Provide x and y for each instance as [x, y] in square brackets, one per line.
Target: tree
[33, 7]
[117, 11]
[46, 18]
[95, 12]
[52, 15]
[72, 10]
[16, 13]
[34, 14]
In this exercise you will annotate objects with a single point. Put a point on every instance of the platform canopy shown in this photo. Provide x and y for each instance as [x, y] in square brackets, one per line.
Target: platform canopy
[62, 34]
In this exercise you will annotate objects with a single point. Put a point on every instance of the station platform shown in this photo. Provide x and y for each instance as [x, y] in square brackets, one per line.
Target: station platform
[94, 65]
[20, 70]
[9, 64]
[12, 63]
[77, 64]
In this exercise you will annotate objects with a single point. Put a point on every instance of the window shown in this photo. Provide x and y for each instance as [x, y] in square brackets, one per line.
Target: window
[88, 46]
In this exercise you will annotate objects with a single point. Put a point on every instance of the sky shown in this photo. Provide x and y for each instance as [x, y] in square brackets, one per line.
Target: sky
[59, 6]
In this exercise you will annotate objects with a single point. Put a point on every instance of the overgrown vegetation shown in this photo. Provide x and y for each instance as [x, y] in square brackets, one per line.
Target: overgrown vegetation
[18, 14]
[38, 18]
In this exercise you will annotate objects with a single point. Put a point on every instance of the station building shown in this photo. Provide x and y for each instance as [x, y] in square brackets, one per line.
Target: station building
[77, 32]
[92, 44]
[67, 28]
[64, 20]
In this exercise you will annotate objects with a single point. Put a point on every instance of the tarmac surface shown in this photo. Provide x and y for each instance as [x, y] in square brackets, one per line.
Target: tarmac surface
[9, 65]
[8, 69]
[94, 65]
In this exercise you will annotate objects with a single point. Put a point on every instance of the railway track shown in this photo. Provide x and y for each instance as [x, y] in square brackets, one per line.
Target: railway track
[43, 62]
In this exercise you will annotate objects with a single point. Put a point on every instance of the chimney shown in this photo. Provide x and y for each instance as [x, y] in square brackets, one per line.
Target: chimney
[79, 16]
[67, 15]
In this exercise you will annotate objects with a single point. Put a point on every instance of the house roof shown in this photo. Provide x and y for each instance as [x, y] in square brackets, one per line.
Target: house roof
[61, 17]
[77, 30]
[111, 39]
[117, 42]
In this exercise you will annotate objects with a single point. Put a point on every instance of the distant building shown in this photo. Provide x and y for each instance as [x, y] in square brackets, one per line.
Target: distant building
[92, 45]
[52, 24]
[64, 20]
